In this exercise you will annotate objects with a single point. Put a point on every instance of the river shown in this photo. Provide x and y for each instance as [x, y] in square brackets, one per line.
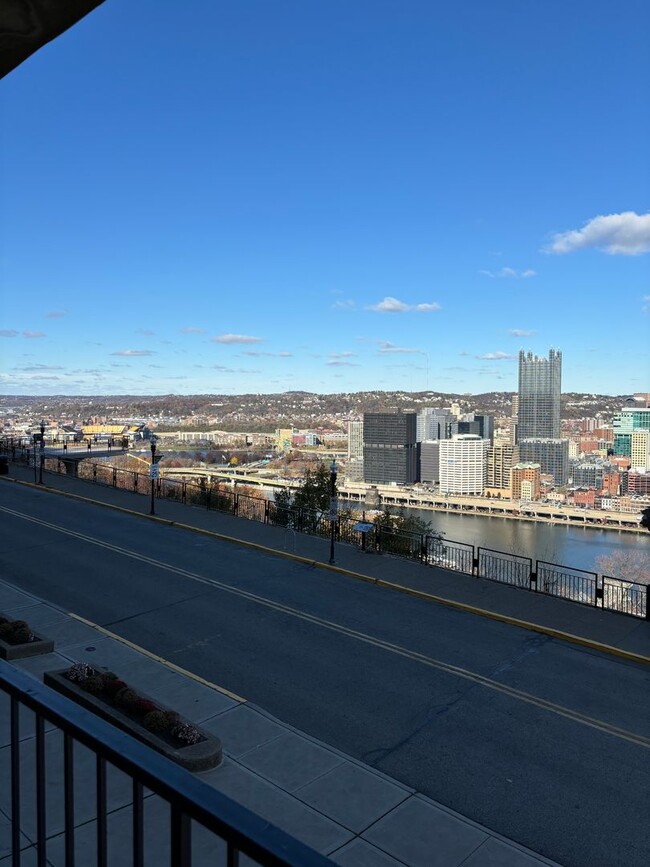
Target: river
[579, 547]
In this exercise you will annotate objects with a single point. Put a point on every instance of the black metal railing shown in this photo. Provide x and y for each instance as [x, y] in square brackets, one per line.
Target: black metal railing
[576, 585]
[506, 568]
[37, 759]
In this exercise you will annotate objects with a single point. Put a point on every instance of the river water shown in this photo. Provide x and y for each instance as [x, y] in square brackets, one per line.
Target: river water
[579, 547]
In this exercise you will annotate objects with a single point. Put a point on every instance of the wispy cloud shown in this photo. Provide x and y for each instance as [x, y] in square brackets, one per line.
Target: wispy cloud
[235, 338]
[8, 332]
[385, 346]
[134, 353]
[335, 362]
[509, 272]
[496, 356]
[394, 305]
[223, 369]
[37, 368]
[146, 331]
[191, 329]
[33, 335]
[55, 314]
[625, 234]
[341, 354]
[521, 332]
[253, 353]
[347, 304]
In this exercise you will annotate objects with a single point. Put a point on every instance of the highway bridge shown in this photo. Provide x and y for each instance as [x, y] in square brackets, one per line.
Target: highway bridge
[392, 496]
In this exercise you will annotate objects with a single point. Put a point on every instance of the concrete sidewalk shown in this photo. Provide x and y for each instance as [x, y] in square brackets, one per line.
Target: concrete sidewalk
[591, 627]
[338, 806]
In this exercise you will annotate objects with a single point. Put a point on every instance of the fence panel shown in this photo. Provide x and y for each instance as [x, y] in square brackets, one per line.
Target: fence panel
[505, 568]
[626, 597]
[578, 585]
[251, 507]
[446, 554]
[409, 545]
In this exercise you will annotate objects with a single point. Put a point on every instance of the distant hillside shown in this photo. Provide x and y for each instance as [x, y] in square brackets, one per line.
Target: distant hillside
[268, 411]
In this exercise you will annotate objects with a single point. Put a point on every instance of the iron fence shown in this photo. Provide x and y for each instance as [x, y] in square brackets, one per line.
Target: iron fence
[627, 597]
[194, 810]
[505, 568]
[577, 585]
[446, 554]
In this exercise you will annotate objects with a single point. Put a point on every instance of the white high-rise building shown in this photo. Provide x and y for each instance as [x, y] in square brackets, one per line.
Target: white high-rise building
[463, 464]
[640, 457]
[354, 466]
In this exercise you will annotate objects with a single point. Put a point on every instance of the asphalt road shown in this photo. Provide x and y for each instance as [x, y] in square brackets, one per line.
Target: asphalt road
[542, 741]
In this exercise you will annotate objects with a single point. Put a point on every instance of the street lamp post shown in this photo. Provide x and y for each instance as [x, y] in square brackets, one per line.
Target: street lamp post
[332, 509]
[40, 466]
[152, 510]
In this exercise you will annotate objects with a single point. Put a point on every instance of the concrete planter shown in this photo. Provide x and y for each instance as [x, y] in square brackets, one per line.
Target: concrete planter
[29, 648]
[194, 757]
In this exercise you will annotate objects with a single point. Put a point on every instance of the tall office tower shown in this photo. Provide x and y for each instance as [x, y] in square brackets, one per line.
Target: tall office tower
[500, 460]
[390, 448]
[551, 454]
[430, 461]
[640, 451]
[627, 421]
[462, 464]
[354, 466]
[481, 425]
[434, 423]
[540, 381]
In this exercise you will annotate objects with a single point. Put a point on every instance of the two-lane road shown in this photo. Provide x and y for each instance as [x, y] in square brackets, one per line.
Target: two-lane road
[544, 742]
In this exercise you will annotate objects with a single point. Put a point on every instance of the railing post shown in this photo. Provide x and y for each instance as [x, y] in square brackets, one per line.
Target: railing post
[533, 577]
[114, 477]
[475, 561]
[266, 511]
[235, 504]
[95, 473]
[423, 548]
[647, 601]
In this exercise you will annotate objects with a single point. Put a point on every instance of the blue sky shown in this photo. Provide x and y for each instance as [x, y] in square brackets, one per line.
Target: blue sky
[329, 195]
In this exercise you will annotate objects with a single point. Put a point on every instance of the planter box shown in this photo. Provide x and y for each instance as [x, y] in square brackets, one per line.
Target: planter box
[195, 757]
[29, 648]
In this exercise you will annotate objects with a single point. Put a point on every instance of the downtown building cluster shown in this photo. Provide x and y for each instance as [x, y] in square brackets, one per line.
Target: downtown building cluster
[601, 466]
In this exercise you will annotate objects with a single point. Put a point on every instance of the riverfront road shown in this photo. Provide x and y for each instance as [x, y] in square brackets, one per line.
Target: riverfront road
[545, 742]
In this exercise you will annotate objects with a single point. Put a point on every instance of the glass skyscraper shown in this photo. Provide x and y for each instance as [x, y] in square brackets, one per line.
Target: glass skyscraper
[540, 381]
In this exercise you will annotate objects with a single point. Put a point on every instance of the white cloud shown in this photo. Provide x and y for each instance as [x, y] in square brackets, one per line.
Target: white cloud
[496, 356]
[522, 332]
[348, 304]
[8, 332]
[33, 334]
[255, 354]
[625, 234]
[385, 346]
[341, 354]
[393, 305]
[235, 338]
[337, 363]
[134, 353]
[191, 329]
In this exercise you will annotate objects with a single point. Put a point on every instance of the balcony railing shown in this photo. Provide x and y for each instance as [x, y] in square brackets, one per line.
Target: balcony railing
[194, 808]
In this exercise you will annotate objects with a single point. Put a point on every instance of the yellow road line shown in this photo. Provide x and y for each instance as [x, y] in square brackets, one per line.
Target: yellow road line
[457, 671]
[156, 658]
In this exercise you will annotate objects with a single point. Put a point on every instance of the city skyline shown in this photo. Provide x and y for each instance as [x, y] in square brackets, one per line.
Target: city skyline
[329, 198]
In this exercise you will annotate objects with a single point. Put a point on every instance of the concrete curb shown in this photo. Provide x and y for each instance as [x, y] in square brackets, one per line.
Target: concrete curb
[588, 643]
